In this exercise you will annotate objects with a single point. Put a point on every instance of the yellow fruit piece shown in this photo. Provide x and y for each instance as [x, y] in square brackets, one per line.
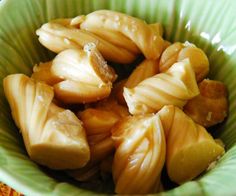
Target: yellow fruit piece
[212, 104]
[144, 70]
[178, 51]
[85, 65]
[170, 56]
[175, 86]
[98, 121]
[111, 105]
[59, 35]
[146, 37]
[72, 92]
[85, 74]
[98, 124]
[140, 154]
[42, 72]
[52, 135]
[190, 148]
[115, 38]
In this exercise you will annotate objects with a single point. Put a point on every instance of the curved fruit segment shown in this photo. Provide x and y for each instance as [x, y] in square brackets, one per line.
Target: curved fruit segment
[144, 70]
[140, 154]
[146, 37]
[212, 104]
[71, 92]
[178, 51]
[175, 86]
[59, 35]
[87, 77]
[42, 72]
[112, 105]
[52, 135]
[190, 148]
[98, 123]
[115, 38]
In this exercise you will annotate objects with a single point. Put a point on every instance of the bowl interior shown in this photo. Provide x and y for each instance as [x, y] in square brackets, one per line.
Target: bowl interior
[210, 25]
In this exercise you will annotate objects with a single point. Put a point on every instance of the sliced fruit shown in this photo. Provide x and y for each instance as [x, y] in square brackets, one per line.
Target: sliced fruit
[42, 72]
[85, 74]
[98, 121]
[178, 51]
[139, 155]
[59, 35]
[212, 104]
[52, 135]
[144, 70]
[175, 86]
[190, 148]
[73, 92]
[146, 37]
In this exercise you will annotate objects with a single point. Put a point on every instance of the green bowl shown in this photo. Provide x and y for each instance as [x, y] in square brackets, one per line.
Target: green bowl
[211, 25]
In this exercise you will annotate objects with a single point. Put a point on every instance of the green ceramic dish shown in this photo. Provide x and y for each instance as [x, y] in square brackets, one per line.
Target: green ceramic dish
[210, 24]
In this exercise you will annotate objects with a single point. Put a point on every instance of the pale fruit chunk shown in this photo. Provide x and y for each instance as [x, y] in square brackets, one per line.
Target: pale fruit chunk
[42, 72]
[144, 70]
[59, 35]
[211, 106]
[98, 123]
[140, 154]
[190, 148]
[178, 51]
[116, 38]
[147, 37]
[175, 86]
[85, 65]
[53, 136]
[112, 105]
[86, 76]
[73, 92]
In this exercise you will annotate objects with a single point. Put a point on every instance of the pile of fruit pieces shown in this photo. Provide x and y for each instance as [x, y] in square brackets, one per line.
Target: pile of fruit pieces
[131, 128]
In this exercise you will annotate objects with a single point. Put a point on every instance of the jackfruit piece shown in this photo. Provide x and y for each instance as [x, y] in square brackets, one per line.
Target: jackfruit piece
[178, 51]
[97, 121]
[86, 76]
[146, 37]
[175, 86]
[59, 35]
[53, 136]
[190, 148]
[111, 104]
[144, 70]
[42, 72]
[211, 106]
[98, 124]
[72, 92]
[140, 154]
